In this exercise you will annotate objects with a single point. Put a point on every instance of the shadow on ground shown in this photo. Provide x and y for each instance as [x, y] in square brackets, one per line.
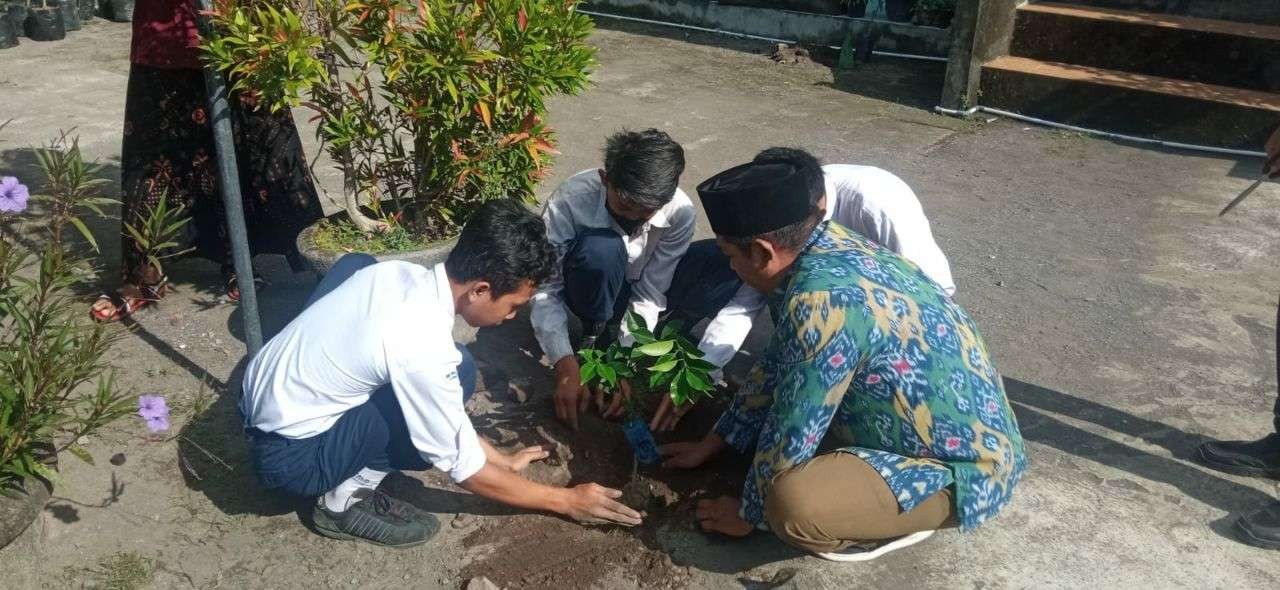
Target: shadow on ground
[1036, 406]
[24, 163]
[215, 458]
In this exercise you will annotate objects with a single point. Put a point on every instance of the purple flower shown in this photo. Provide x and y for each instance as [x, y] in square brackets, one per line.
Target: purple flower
[13, 195]
[155, 411]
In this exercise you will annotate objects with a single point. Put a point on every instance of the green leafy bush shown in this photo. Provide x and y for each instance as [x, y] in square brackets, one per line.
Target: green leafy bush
[48, 351]
[70, 188]
[433, 106]
[669, 362]
[55, 385]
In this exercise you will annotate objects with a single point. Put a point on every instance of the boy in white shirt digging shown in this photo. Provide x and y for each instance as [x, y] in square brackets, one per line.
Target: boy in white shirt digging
[368, 380]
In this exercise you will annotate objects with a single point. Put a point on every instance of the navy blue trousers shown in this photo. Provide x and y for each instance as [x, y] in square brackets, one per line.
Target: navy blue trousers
[596, 290]
[372, 435]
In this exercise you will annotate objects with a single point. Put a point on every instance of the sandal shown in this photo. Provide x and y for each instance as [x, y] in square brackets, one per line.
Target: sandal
[123, 306]
[233, 285]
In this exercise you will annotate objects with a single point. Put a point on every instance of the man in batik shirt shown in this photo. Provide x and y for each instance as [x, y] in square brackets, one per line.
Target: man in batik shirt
[869, 354]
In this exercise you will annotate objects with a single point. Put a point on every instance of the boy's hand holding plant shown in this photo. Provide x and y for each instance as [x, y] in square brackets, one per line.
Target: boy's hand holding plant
[674, 368]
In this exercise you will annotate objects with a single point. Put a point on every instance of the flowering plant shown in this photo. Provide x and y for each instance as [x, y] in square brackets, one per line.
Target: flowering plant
[55, 386]
[13, 195]
[154, 410]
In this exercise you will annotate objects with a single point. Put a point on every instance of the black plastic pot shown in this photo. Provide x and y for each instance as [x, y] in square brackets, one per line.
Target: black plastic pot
[8, 33]
[70, 15]
[45, 24]
[86, 9]
[17, 14]
[122, 10]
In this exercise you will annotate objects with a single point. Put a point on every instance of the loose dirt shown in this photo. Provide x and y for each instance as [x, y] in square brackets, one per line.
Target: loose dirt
[540, 551]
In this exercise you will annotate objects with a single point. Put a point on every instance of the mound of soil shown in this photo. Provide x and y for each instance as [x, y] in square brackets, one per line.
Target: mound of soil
[543, 551]
[533, 551]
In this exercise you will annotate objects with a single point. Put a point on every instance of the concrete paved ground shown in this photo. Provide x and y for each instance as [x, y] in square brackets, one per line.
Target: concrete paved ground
[1130, 321]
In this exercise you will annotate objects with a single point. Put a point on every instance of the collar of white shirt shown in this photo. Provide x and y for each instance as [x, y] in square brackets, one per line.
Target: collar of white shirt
[444, 292]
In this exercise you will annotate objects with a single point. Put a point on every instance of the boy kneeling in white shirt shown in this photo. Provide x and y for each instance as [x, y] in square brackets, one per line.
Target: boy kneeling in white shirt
[368, 380]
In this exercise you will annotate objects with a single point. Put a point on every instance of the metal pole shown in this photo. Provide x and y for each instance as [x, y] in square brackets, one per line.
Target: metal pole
[229, 180]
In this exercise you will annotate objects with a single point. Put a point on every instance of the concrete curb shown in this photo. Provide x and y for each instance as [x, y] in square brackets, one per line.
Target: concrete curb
[817, 29]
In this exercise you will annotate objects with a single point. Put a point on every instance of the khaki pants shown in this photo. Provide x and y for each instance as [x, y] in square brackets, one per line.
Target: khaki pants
[836, 500]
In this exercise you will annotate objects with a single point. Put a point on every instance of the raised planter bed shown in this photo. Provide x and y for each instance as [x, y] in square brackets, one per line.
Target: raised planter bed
[321, 260]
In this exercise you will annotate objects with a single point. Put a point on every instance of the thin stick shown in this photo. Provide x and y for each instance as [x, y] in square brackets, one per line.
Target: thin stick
[207, 453]
[1246, 193]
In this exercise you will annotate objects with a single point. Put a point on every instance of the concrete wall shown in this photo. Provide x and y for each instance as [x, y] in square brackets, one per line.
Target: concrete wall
[818, 29]
[981, 31]
[815, 6]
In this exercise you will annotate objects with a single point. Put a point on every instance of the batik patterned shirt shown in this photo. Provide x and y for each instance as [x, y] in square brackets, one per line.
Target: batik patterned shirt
[869, 350]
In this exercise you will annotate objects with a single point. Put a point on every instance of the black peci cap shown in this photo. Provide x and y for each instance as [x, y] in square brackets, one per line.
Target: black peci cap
[755, 198]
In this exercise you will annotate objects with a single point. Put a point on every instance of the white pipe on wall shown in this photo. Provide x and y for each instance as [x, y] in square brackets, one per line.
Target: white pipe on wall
[1143, 140]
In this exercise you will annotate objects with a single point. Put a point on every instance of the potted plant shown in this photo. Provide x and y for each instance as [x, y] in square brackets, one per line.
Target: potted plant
[44, 21]
[933, 13]
[55, 384]
[665, 363]
[428, 107]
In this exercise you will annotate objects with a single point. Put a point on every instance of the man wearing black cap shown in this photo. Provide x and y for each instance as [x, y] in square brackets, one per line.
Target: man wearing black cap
[872, 202]
[868, 353]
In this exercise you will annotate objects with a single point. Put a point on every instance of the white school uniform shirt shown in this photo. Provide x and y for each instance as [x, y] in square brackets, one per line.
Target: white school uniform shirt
[390, 322]
[867, 200]
[653, 252]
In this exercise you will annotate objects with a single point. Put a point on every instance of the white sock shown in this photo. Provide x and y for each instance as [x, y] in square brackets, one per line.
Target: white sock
[339, 498]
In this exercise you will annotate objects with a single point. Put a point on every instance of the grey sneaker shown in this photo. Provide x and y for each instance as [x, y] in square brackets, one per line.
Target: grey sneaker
[374, 517]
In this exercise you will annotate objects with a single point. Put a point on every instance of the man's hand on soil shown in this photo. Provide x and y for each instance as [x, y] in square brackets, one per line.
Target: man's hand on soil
[520, 459]
[571, 398]
[596, 504]
[668, 414]
[721, 516]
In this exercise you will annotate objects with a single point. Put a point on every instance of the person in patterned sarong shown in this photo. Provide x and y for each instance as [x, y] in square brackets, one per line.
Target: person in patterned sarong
[869, 355]
[168, 153]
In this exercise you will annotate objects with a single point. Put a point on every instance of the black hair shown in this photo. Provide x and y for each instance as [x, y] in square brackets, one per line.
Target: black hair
[504, 244]
[804, 161]
[643, 166]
